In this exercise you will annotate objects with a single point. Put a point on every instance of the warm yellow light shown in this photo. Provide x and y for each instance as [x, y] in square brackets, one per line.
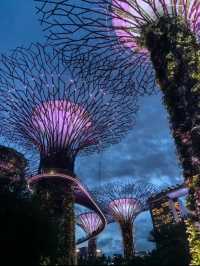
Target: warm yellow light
[51, 172]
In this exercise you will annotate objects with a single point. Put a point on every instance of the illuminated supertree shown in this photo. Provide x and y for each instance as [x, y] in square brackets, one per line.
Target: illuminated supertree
[60, 115]
[91, 223]
[122, 202]
[157, 39]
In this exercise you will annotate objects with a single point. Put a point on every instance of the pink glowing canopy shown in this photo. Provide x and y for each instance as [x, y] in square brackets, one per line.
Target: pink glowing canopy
[61, 120]
[128, 16]
[124, 209]
[90, 222]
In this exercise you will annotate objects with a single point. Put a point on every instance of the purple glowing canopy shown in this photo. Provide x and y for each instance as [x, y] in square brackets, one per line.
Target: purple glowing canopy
[90, 222]
[109, 31]
[123, 201]
[124, 209]
[62, 118]
[94, 23]
[55, 109]
[130, 15]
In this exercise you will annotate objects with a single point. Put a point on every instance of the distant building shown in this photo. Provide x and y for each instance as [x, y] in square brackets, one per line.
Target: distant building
[166, 208]
[83, 253]
[141, 253]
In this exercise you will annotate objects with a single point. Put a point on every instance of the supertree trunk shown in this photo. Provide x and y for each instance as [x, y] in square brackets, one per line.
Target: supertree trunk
[57, 200]
[175, 55]
[69, 227]
[127, 236]
[92, 247]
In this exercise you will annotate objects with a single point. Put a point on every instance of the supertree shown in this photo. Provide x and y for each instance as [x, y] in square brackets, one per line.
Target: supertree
[52, 110]
[122, 202]
[148, 38]
[91, 223]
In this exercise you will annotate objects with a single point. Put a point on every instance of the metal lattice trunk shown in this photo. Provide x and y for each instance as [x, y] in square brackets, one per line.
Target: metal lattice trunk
[92, 247]
[127, 235]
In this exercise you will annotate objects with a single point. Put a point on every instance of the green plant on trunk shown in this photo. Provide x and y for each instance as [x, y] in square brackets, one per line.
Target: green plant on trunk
[175, 55]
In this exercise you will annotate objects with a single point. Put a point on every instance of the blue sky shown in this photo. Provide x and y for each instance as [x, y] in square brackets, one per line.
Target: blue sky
[147, 153]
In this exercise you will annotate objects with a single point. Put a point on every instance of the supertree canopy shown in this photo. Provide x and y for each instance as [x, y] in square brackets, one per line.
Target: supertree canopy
[88, 28]
[58, 113]
[91, 223]
[158, 38]
[54, 111]
[123, 201]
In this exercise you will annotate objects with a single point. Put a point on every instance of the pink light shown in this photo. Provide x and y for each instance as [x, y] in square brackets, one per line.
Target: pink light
[178, 193]
[6, 166]
[90, 222]
[61, 120]
[123, 26]
[124, 209]
[129, 16]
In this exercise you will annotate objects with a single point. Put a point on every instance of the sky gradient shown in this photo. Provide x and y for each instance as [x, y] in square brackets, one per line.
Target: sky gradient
[147, 153]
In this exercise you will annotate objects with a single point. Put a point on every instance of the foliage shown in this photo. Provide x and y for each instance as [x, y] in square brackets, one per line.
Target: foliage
[175, 54]
[172, 245]
[194, 243]
[27, 236]
[101, 261]
[12, 163]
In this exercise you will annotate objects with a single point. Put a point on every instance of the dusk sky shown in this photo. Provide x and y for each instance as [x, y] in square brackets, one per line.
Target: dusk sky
[146, 153]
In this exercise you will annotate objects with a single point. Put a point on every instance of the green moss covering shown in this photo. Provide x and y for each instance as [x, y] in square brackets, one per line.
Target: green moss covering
[175, 54]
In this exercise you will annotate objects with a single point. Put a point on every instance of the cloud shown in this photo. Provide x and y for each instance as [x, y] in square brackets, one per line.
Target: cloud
[147, 153]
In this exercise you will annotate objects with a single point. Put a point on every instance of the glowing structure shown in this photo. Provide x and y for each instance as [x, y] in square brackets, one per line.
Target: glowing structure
[153, 41]
[91, 223]
[123, 202]
[60, 116]
[167, 208]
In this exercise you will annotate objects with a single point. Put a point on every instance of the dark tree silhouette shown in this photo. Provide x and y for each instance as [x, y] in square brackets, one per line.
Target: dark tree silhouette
[27, 235]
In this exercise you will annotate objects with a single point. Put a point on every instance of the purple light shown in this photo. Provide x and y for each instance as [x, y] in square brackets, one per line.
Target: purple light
[129, 17]
[178, 193]
[64, 120]
[6, 166]
[124, 209]
[90, 222]
[123, 25]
